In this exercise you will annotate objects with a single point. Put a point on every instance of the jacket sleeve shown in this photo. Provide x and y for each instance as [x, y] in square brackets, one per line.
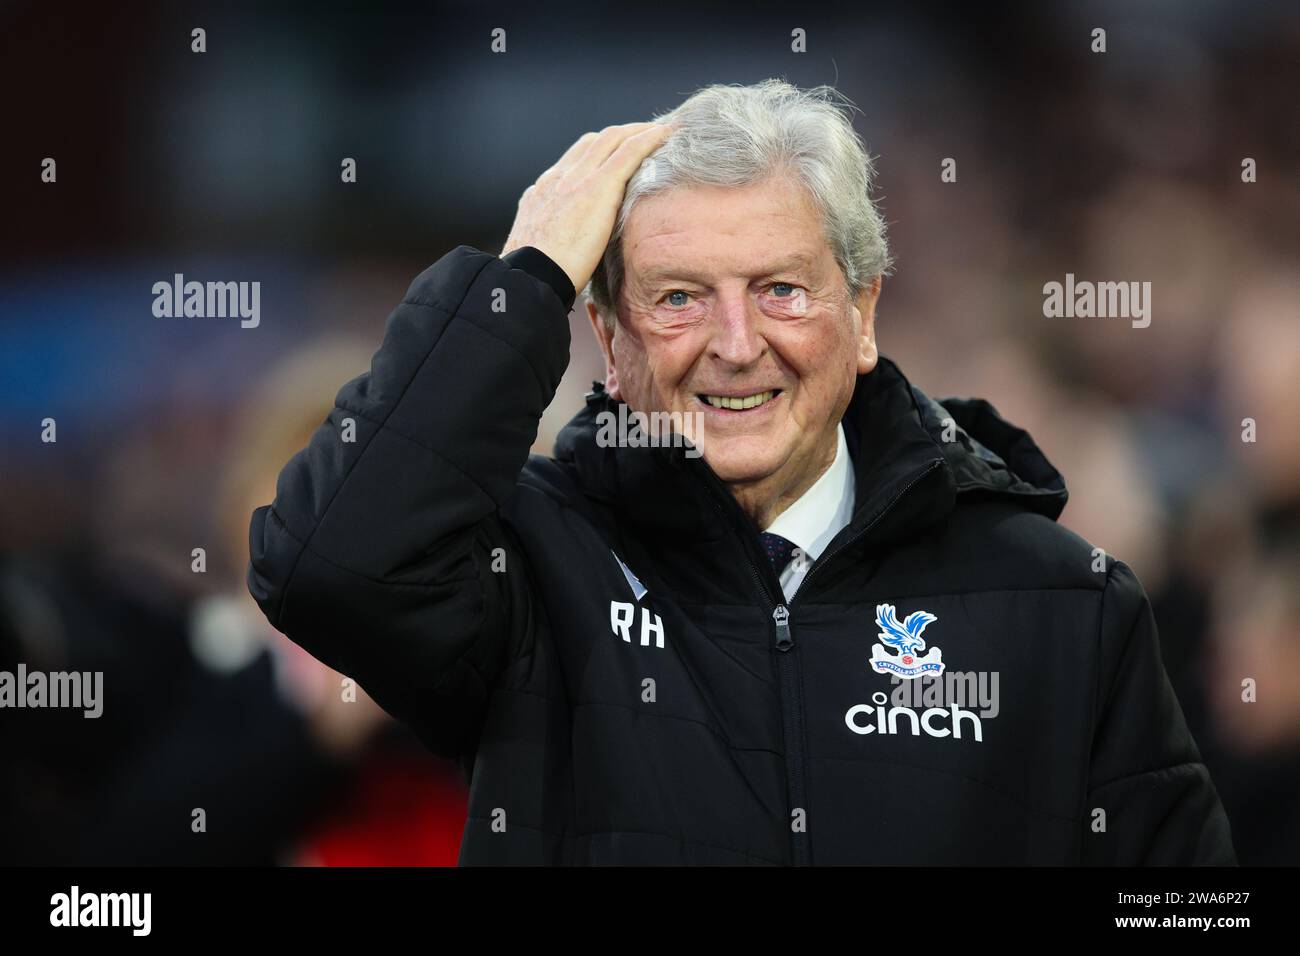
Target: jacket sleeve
[383, 553]
[1146, 772]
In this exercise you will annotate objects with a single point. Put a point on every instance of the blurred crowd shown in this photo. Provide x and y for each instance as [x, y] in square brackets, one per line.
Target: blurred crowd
[1179, 442]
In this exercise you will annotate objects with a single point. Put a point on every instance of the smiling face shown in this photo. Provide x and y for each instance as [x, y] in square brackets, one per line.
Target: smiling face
[733, 306]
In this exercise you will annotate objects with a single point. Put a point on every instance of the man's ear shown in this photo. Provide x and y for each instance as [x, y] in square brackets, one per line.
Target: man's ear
[865, 306]
[605, 336]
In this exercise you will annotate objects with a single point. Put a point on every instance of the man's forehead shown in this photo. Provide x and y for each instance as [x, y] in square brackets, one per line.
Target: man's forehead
[714, 232]
[653, 265]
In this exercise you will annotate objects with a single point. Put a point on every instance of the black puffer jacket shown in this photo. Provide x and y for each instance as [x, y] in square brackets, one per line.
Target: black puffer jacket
[490, 599]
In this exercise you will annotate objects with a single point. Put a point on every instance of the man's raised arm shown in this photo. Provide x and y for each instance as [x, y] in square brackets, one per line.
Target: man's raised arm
[377, 553]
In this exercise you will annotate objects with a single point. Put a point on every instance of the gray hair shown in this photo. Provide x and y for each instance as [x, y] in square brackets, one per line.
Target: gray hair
[733, 135]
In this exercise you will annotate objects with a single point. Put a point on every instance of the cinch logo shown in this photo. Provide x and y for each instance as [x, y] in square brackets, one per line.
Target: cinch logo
[859, 719]
[921, 680]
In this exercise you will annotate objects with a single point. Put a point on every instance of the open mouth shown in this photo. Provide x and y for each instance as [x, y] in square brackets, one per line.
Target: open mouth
[740, 403]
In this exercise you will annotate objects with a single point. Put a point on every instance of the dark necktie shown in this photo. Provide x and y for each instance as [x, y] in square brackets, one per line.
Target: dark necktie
[778, 550]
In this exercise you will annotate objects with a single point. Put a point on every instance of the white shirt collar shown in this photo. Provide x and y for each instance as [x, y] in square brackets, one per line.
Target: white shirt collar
[818, 514]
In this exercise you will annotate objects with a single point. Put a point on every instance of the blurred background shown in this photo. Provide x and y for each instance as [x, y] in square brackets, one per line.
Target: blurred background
[1122, 166]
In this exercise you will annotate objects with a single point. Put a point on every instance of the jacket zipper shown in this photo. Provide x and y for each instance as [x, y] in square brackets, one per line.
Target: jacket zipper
[821, 562]
[792, 715]
[788, 665]
[793, 731]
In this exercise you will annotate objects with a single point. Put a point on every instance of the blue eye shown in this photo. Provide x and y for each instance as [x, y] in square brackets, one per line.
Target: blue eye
[671, 294]
[783, 285]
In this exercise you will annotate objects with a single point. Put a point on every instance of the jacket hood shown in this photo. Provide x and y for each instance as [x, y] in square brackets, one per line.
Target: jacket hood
[989, 455]
[913, 457]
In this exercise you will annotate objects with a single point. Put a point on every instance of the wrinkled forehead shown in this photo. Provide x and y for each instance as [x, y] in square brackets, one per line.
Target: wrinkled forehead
[706, 234]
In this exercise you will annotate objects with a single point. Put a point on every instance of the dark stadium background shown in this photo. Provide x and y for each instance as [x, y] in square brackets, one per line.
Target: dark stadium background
[225, 165]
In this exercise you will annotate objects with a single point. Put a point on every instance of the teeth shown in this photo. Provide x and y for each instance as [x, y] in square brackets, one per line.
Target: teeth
[739, 404]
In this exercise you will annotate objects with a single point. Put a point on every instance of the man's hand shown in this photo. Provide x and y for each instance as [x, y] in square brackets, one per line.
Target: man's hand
[569, 212]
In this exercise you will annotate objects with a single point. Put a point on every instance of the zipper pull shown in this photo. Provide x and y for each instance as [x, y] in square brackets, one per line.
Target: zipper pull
[784, 639]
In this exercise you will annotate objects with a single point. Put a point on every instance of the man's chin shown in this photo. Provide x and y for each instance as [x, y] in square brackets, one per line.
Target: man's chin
[735, 467]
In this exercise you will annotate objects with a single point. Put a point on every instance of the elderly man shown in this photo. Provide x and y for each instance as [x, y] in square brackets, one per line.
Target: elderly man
[837, 624]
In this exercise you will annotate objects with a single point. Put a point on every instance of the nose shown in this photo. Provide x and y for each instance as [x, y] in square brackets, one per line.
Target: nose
[736, 337]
